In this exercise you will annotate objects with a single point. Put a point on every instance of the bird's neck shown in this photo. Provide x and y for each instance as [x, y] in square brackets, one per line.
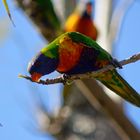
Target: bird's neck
[86, 15]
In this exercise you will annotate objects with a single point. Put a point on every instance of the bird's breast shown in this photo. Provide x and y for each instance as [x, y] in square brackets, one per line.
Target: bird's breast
[69, 54]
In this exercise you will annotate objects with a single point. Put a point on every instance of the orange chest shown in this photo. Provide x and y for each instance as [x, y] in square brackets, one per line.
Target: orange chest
[69, 54]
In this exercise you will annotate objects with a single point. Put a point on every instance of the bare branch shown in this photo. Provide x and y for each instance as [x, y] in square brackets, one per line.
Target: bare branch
[66, 79]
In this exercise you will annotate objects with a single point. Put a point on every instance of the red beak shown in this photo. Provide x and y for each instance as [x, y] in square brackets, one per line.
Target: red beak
[36, 76]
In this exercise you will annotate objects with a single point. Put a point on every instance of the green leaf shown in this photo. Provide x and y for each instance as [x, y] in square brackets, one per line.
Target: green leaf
[8, 11]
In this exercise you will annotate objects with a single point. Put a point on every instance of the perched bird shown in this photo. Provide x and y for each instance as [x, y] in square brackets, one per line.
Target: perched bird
[75, 53]
[81, 21]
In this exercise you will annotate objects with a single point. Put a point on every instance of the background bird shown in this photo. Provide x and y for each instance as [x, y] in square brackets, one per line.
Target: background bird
[74, 53]
[81, 21]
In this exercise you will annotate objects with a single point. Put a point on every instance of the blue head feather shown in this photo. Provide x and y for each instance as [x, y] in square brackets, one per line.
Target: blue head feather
[42, 64]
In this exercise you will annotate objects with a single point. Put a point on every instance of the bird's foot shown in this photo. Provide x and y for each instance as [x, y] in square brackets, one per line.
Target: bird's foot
[116, 63]
[67, 79]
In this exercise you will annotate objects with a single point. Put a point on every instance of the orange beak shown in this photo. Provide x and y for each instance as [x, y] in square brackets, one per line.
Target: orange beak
[36, 76]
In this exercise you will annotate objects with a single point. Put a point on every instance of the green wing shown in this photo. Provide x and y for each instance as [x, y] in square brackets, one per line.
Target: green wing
[88, 42]
[116, 83]
[79, 38]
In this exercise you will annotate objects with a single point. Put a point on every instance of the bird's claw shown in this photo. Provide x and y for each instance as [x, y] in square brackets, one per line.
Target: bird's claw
[66, 79]
[116, 63]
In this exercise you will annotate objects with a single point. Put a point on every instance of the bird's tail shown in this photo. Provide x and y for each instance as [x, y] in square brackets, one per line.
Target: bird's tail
[116, 83]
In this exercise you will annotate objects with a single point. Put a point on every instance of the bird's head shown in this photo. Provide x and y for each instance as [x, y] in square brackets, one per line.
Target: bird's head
[88, 9]
[41, 65]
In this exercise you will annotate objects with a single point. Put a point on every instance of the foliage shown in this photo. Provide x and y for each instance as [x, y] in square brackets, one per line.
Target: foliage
[7, 9]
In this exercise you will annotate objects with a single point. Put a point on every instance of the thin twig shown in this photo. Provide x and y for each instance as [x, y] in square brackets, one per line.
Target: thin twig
[71, 78]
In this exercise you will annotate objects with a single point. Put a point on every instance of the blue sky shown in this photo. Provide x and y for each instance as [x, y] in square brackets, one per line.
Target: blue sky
[16, 103]
[127, 45]
[20, 45]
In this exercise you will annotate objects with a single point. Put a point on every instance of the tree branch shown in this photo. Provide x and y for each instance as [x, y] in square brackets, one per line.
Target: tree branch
[67, 79]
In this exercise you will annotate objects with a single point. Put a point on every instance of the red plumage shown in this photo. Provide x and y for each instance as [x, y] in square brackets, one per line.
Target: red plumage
[82, 23]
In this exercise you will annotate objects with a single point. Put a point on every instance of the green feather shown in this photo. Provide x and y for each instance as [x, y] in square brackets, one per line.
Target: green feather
[116, 83]
[51, 50]
[80, 38]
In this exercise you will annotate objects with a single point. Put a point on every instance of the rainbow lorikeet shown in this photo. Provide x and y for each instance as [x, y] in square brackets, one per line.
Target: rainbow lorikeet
[81, 21]
[75, 53]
